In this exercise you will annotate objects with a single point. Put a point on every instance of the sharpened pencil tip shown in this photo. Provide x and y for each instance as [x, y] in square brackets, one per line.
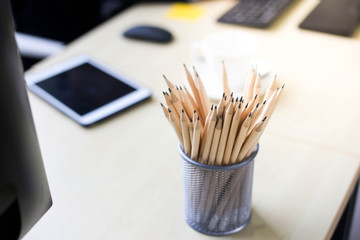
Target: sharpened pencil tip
[250, 114]
[191, 120]
[283, 85]
[257, 105]
[169, 89]
[264, 119]
[169, 110]
[161, 104]
[198, 118]
[182, 110]
[194, 110]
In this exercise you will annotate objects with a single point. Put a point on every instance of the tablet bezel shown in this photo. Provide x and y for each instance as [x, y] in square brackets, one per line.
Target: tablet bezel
[141, 92]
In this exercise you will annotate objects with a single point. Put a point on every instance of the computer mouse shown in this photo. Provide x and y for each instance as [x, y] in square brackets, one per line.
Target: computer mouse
[149, 33]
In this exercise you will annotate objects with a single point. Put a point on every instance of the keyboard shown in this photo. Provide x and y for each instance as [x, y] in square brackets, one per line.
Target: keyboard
[255, 13]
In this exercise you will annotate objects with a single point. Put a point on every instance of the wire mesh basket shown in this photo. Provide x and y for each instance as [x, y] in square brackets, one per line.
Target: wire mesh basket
[217, 199]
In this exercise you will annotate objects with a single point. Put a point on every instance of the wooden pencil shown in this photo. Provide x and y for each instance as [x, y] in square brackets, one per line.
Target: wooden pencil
[196, 140]
[196, 93]
[251, 140]
[224, 133]
[166, 112]
[170, 85]
[215, 141]
[206, 143]
[176, 125]
[232, 134]
[185, 132]
[270, 89]
[257, 86]
[191, 131]
[205, 101]
[240, 139]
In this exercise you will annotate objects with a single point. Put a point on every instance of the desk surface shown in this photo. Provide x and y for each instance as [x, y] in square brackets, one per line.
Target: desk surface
[113, 181]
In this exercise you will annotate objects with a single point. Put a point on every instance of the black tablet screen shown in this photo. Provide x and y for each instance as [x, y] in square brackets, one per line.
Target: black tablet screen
[85, 88]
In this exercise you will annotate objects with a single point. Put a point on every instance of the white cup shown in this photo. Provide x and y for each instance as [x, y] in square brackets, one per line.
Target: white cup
[235, 48]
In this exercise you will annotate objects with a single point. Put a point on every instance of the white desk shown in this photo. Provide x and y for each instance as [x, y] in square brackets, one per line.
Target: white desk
[122, 179]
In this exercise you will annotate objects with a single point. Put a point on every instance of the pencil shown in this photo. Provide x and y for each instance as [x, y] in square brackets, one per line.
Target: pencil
[215, 141]
[170, 85]
[270, 89]
[171, 105]
[232, 134]
[185, 102]
[176, 125]
[224, 133]
[206, 143]
[257, 86]
[176, 101]
[252, 139]
[196, 93]
[205, 101]
[191, 131]
[185, 132]
[240, 139]
[166, 112]
[248, 93]
[196, 140]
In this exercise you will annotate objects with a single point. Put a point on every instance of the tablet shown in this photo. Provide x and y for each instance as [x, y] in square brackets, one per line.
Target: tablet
[86, 90]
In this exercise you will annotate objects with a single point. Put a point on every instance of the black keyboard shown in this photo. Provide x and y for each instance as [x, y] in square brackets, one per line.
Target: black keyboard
[255, 13]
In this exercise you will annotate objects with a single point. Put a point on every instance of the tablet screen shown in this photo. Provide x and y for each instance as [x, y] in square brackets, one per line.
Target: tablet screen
[85, 88]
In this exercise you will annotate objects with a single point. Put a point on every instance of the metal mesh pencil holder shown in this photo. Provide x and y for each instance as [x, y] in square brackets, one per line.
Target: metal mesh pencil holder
[217, 199]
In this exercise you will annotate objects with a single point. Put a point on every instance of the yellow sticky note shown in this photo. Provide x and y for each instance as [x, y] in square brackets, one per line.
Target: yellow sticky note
[185, 11]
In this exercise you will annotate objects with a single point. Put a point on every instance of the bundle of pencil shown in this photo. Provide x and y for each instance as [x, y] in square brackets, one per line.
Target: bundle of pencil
[220, 133]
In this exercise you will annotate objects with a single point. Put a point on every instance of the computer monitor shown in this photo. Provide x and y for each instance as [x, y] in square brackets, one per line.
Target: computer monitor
[24, 190]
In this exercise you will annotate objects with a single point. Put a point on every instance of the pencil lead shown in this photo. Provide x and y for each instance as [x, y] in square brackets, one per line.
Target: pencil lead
[177, 88]
[232, 100]
[237, 99]
[257, 105]
[161, 104]
[249, 114]
[182, 110]
[264, 119]
[169, 90]
[215, 107]
[283, 85]
[194, 110]
[198, 118]
[239, 105]
[231, 94]
[180, 88]
[191, 120]
[241, 99]
[164, 93]
[212, 107]
[264, 102]
[255, 97]
[246, 105]
[169, 110]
